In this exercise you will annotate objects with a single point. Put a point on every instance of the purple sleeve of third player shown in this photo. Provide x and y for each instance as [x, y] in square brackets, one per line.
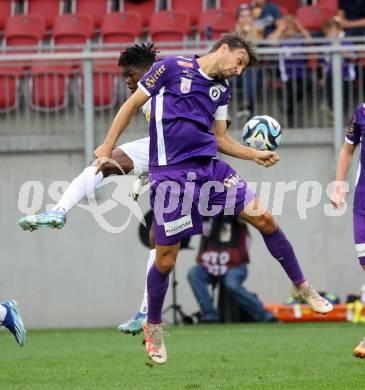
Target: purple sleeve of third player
[353, 132]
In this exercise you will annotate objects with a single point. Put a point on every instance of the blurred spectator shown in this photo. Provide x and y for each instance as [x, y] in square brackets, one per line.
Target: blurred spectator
[266, 15]
[247, 82]
[293, 67]
[246, 24]
[333, 30]
[351, 15]
[223, 256]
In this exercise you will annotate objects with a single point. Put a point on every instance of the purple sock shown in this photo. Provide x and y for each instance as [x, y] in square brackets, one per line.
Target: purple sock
[157, 285]
[279, 246]
[359, 235]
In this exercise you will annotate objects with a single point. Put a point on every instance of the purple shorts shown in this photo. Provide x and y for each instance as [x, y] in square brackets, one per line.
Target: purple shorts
[182, 194]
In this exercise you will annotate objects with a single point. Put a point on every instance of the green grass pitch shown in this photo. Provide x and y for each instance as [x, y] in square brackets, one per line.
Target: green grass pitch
[265, 356]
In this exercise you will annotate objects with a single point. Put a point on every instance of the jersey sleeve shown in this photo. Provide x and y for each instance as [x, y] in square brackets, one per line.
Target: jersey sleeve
[156, 77]
[221, 113]
[353, 132]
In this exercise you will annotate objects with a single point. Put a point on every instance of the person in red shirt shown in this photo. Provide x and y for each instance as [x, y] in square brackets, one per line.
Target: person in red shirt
[223, 255]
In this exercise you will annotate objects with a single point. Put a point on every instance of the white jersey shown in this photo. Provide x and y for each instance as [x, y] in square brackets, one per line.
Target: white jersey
[138, 150]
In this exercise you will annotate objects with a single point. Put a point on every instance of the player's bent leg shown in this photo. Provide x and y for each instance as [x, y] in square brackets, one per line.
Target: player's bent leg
[359, 238]
[11, 319]
[122, 164]
[281, 249]
[83, 184]
[135, 324]
[157, 283]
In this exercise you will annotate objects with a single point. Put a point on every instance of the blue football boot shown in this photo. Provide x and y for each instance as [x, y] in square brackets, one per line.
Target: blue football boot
[134, 325]
[13, 322]
[53, 219]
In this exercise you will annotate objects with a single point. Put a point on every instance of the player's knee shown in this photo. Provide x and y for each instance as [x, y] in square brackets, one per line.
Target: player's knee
[166, 260]
[265, 223]
[166, 264]
[110, 169]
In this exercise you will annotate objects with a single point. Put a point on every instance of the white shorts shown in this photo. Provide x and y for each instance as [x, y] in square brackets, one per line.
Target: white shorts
[138, 152]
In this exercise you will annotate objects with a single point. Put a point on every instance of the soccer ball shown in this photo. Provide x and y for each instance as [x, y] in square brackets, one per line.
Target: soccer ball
[262, 132]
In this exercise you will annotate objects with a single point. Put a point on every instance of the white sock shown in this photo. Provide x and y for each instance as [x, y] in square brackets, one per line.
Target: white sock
[79, 188]
[3, 312]
[151, 260]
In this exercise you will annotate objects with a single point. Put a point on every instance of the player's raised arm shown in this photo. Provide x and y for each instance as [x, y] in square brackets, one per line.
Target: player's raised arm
[352, 139]
[343, 165]
[120, 122]
[231, 147]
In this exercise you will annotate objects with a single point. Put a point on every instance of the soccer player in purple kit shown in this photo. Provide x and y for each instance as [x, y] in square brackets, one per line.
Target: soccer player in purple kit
[189, 98]
[354, 135]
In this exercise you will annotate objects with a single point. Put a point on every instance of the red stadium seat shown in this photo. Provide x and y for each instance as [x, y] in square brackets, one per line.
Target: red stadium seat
[169, 26]
[283, 11]
[9, 88]
[96, 8]
[105, 79]
[72, 29]
[5, 11]
[213, 23]
[48, 87]
[193, 7]
[291, 6]
[121, 27]
[329, 4]
[24, 30]
[312, 18]
[49, 12]
[145, 9]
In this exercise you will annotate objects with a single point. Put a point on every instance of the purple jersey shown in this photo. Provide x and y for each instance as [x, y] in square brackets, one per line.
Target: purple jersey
[354, 135]
[185, 102]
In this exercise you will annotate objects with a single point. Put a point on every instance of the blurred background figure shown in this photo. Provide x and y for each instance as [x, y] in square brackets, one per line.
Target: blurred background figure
[266, 15]
[247, 25]
[223, 258]
[247, 82]
[332, 30]
[293, 68]
[351, 15]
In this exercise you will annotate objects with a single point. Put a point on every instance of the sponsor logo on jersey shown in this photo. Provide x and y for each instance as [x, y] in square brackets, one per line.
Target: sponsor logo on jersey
[185, 85]
[214, 92]
[188, 73]
[175, 227]
[185, 63]
[151, 81]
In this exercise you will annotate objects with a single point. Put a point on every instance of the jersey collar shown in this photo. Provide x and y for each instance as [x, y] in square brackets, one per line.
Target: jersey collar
[200, 70]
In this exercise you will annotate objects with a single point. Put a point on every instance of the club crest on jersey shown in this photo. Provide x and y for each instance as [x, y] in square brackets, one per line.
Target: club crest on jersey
[185, 85]
[214, 92]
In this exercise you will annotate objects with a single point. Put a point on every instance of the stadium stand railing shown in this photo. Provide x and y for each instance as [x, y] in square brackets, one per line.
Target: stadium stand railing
[297, 84]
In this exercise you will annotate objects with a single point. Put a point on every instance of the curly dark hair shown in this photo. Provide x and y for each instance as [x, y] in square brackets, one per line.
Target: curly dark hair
[140, 55]
[237, 41]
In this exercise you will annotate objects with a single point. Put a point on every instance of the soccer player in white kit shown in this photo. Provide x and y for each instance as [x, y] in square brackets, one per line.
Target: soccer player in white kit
[135, 61]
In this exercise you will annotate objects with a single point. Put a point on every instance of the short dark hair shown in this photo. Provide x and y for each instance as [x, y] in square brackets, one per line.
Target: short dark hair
[237, 41]
[140, 55]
